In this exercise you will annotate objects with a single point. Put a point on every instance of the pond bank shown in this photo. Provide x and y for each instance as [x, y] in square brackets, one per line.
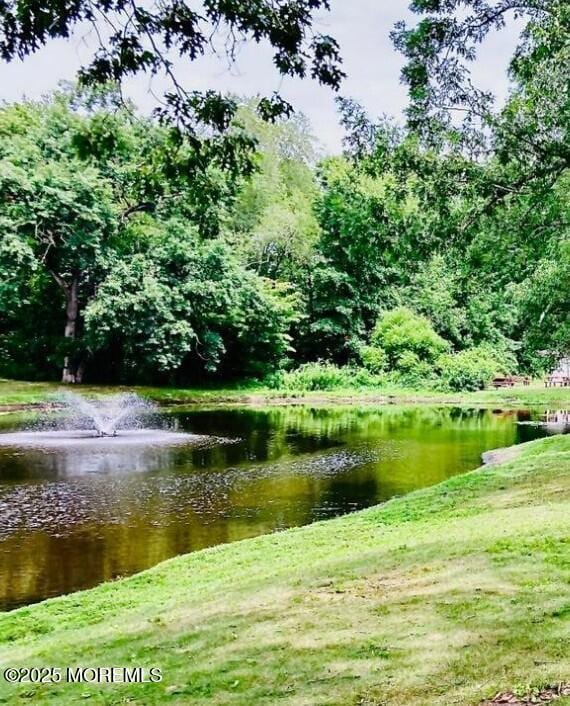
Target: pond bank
[23, 396]
[510, 453]
[448, 595]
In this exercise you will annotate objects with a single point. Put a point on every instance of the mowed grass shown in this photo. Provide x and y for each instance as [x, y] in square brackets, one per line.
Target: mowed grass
[20, 394]
[445, 596]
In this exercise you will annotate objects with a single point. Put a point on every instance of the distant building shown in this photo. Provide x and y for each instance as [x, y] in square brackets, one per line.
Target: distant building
[561, 374]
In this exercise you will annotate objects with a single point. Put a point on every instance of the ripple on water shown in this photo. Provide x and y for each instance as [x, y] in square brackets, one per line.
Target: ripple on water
[57, 507]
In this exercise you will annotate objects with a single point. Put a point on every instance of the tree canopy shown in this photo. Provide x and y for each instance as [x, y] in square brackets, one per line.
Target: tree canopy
[133, 37]
[141, 250]
[111, 246]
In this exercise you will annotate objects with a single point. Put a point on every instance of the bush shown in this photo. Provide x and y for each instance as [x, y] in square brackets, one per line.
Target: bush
[322, 376]
[471, 369]
[374, 359]
[311, 376]
[409, 362]
[412, 372]
[503, 355]
[361, 377]
[402, 331]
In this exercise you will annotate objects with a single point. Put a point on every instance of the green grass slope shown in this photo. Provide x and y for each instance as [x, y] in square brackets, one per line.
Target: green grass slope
[445, 596]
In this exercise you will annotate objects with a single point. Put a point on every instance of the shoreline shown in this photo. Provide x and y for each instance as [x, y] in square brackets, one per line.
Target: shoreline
[35, 397]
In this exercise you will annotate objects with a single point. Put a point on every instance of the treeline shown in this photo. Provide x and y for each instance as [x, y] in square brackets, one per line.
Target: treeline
[125, 256]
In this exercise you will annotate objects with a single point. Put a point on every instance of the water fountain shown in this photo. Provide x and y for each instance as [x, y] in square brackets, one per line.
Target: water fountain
[105, 415]
[100, 424]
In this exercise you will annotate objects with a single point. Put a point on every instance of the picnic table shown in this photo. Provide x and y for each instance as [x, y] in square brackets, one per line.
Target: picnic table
[503, 381]
[557, 380]
[510, 381]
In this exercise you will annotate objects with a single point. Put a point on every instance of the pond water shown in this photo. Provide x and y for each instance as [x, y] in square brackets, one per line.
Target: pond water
[71, 518]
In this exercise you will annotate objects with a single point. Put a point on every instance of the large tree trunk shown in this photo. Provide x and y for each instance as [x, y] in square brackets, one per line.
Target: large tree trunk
[70, 369]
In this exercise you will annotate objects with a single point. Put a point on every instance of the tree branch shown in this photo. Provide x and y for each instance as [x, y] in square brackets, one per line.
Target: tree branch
[60, 281]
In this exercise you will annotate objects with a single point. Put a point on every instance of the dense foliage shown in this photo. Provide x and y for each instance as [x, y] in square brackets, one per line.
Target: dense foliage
[438, 253]
[109, 257]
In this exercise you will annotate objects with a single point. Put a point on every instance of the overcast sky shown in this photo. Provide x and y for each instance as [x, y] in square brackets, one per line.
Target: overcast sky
[362, 28]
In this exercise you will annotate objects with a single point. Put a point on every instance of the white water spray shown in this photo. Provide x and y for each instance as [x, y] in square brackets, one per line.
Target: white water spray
[104, 415]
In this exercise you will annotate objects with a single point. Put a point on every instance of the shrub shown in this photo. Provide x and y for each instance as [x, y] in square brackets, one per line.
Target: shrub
[361, 377]
[322, 376]
[402, 331]
[374, 359]
[314, 376]
[471, 369]
[503, 355]
[412, 372]
[408, 362]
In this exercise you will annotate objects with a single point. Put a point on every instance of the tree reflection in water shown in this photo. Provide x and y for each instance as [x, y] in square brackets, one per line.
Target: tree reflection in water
[71, 518]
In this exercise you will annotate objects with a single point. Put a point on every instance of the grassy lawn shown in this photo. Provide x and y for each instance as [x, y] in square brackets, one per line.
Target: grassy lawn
[16, 393]
[446, 596]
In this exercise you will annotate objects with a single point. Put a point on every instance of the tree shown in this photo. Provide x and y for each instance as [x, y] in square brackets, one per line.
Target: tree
[456, 238]
[171, 251]
[546, 300]
[75, 172]
[57, 214]
[383, 211]
[272, 221]
[135, 37]
[401, 331]
[434, 292]
[111, 250]
[183, 307]
[531, 133]
[442, 45]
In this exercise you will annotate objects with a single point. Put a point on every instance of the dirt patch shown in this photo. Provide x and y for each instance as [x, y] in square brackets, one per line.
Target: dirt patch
[492, 458]
[542, 697]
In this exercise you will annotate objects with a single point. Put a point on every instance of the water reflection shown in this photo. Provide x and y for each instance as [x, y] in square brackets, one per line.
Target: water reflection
[69, 520]
[71, 453]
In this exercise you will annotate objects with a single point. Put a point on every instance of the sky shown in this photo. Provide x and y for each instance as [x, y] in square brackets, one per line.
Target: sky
[361, 27]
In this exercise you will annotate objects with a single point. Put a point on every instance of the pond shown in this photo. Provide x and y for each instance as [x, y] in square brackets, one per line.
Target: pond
[70, 520]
